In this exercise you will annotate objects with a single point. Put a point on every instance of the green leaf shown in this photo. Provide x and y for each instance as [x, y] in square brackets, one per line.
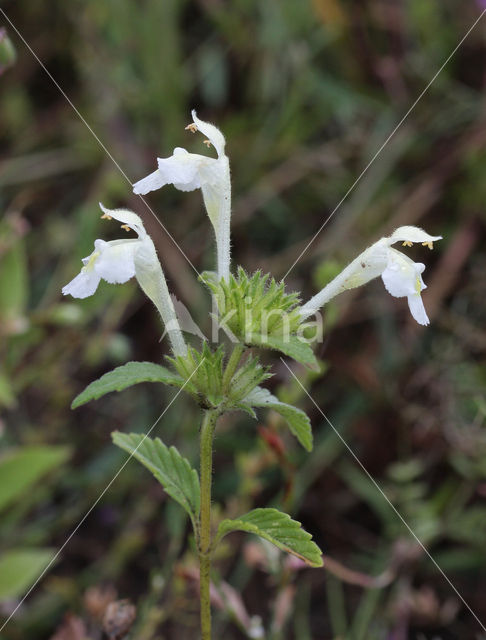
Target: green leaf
[20, 568]
[279, 529]
[297, 420]
[173, 471]
[21, 468]
[125, 376]
[291, 346]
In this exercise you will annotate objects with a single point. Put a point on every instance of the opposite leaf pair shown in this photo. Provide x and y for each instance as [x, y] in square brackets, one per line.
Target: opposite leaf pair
[181, 482]
[244, 394]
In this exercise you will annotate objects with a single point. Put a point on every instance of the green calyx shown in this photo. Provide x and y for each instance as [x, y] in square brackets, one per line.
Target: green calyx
[254, 305]
[204, 373]
[256, 311]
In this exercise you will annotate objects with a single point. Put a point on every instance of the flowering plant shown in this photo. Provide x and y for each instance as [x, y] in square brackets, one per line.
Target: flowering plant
[255, 312]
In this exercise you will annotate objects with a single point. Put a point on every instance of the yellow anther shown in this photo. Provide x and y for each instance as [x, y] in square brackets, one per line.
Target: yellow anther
[407, 243]
[126, 227]
[207, 143]
[428, 244]
[192, 127]
[105, 216]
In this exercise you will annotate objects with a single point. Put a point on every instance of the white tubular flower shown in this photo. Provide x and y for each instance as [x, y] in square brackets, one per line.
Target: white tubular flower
[403, 279]
[119, 260]
[401, 276]
[189, 171]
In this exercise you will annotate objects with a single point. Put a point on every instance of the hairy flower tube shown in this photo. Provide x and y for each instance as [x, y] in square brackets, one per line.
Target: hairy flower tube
[189, 171]
[119, 260]
[401, 276]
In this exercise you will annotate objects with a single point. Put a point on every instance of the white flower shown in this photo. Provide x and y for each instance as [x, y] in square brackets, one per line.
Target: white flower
[111, 261]
[189, 171]
[401, 276]
[119, 260]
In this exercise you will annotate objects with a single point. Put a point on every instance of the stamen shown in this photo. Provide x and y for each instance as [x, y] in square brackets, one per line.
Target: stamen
[126, 227]
[105, 216]
[207, 143]
[428, 244]
[407, 243]
[192, 127]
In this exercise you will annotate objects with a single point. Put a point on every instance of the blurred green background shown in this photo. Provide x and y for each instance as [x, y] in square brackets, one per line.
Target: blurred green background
[306, 93]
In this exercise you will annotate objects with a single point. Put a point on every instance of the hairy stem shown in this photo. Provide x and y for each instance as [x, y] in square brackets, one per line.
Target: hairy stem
[233, 362]
[206, 449]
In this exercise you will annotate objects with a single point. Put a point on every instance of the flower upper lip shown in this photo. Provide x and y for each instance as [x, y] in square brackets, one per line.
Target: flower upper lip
[216, 138]
[410, 235]
[127, 218]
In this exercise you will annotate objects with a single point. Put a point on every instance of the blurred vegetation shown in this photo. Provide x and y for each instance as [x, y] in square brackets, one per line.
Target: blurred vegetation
[306, 93]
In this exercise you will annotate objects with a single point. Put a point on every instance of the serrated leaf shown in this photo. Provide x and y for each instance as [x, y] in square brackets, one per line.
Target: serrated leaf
[291, 346]
[19, 568]
[279, 529]
[173, 471]
[21, 468]
[125, 376]
[297, 420]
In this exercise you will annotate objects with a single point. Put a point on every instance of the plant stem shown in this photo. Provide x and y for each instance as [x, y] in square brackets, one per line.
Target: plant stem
[233, 362]
[206, 444]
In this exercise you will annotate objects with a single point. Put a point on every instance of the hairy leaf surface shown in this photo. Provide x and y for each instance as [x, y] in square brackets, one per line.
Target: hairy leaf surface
[297, 420]
[126, 376]
[173, 471]
[279, 529]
